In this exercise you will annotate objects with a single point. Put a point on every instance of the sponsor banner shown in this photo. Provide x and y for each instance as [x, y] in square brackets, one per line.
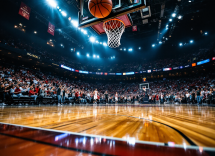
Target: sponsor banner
[175, 68]
[118, 73]
[181, 67]
[51, 29]
[65, 67]
[77, 71]
[83, 72]
[187, 66]
[99, 73]
[154, 70]
[203, 62]
[193, 64]
[124, 73]
[144, 71]
[84, 18]
[167, 69]
[24, 11]
[213, 58]
[105, 73]
[111, 74]
[134, 28]
[35, 56]
[149, 71]
[159, 69]
[129, 73]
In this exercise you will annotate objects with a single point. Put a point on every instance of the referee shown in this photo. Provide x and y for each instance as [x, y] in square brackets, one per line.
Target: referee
[106, 97]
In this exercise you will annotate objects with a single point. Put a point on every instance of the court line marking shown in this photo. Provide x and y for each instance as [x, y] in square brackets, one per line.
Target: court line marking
[182, 134]
[118, 139]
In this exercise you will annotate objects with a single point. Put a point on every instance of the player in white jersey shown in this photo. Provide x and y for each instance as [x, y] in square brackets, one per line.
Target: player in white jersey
[95, 96]
[116, 97]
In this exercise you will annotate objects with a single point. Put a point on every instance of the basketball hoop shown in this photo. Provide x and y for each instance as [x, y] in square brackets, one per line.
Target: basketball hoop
[114, 29]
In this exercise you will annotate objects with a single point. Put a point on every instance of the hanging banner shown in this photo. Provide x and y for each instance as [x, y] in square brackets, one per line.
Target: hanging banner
[51, 29]
[24, 10]
[134, 28]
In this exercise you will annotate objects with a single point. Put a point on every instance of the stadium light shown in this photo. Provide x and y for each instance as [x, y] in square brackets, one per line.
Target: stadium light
[64, 13]
[94, 56]
[75, 23]
[130, 49]
[60, 10]
[180, 44]
[170, 19]
[97, 56]
[206, 33]
[78, 53]
[85, 32]
[100, 42]
[174, 14]
[88, 55]
[191, 41]
[97, 41]
[58, 7]
[153, 45]
[105, 44]
[71, 49]
[61, 45]
[121, 49]
[113, 56]
[35, 32]
[160, 42]
[124, 49]
[92, 39]
[139, 48]
[179, 17]
[189, 0]
[52, 3]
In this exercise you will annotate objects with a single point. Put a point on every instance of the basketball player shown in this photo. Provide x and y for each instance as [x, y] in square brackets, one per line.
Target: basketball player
[116, 98]
[106, 97]
[95, 96]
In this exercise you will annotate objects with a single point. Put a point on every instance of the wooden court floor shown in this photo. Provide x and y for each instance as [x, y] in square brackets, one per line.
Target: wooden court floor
[181, 124]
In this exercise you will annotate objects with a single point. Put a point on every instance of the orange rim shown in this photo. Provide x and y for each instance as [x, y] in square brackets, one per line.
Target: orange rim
[115, 19]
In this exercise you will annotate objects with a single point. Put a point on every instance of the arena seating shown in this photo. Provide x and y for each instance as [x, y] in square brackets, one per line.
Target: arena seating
[181, 90]
[204, 52]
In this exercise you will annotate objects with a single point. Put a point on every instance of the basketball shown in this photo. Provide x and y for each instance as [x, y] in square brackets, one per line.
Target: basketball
[100, 8]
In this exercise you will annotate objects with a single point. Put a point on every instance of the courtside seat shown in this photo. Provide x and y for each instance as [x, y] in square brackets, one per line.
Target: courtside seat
[23, 99]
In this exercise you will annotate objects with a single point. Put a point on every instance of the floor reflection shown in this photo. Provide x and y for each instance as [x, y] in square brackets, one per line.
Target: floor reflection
[26, 141]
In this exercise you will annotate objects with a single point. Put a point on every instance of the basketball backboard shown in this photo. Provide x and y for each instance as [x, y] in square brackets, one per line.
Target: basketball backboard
[121, 10]
[144, 85]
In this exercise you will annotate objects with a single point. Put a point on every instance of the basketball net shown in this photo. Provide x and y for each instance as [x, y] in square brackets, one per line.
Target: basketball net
[114, 29]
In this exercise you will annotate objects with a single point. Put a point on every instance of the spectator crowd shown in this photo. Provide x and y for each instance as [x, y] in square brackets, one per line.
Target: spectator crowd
[27, 83]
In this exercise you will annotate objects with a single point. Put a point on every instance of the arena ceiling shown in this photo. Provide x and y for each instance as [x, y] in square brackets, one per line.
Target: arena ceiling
[197, 18]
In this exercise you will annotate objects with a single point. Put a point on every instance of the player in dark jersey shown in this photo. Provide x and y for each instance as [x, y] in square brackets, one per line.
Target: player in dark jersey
[106, 97]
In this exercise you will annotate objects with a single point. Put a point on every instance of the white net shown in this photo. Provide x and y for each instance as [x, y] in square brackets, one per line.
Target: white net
[114, 29]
